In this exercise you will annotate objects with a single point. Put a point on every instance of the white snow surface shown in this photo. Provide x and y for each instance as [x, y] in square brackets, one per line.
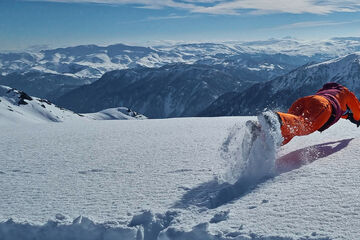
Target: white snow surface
[165, 179]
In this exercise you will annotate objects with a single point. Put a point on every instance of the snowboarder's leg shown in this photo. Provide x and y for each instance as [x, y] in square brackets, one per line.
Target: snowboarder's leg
[252, 131]
[305, 116]
[270, 122]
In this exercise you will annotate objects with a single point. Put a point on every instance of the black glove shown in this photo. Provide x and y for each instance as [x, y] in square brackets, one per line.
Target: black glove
[351, 118]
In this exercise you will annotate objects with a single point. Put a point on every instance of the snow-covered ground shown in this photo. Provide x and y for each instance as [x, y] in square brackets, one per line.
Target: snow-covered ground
[164, 179]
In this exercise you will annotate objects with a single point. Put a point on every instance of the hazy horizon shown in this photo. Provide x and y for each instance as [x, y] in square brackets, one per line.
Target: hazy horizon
[61, 23]
[154, 43]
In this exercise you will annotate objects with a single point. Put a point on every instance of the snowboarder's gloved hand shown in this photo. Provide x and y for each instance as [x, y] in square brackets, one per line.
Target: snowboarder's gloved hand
[351, 118]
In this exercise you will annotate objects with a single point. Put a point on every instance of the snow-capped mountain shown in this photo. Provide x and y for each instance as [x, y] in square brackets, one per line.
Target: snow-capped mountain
[18, 107]
[92, 61]
[282, 91]
[170, 91]
[54, 72]
[320, 49]
[264, 66]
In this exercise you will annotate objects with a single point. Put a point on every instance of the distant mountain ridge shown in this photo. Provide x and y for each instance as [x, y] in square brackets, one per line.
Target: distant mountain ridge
[43, 85]
[54, 72]
[92, 61]
[170, 91]
[168, 80]
[279, 93]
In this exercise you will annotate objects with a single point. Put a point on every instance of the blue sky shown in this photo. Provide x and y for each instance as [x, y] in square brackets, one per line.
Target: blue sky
[24, 23]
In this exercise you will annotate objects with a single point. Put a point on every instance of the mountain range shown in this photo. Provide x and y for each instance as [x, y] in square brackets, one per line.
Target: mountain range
[170, 91]
[92, 61]
[43, 85]
[178, 80]
[54, 72]
[279, 93]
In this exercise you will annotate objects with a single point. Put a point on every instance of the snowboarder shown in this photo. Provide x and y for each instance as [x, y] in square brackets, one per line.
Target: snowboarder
[320, 111]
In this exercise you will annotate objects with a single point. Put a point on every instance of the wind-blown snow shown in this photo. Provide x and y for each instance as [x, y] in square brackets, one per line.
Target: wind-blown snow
[250, 161]
[158, 179]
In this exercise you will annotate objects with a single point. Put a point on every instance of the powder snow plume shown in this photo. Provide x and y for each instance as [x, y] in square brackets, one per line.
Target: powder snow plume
[252, 161]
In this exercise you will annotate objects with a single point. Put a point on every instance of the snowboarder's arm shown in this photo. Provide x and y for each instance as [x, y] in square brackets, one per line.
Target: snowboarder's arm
[353, 108]
[354, 105]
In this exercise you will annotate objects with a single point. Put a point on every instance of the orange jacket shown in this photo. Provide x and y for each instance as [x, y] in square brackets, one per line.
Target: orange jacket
[348, 100]
[320, 111]
[344, 102]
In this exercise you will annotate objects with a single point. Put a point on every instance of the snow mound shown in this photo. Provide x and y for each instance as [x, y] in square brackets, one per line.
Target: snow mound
[120, 113]
[81, 228]
[145, 225]
[18, 107]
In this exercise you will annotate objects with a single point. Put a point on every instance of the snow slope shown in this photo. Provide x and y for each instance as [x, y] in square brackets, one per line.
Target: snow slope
[164, 179]
[18, 107]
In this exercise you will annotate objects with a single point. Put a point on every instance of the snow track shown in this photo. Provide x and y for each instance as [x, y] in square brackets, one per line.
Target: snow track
[165, 179]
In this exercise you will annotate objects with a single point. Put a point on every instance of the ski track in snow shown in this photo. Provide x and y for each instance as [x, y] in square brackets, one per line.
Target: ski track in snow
[166, 179]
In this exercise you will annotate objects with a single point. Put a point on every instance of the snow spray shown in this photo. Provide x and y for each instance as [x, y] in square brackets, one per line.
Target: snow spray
[259, 161]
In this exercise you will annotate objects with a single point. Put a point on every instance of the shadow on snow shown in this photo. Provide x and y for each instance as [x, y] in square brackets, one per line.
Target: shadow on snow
[213, 194]
[300, 157]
